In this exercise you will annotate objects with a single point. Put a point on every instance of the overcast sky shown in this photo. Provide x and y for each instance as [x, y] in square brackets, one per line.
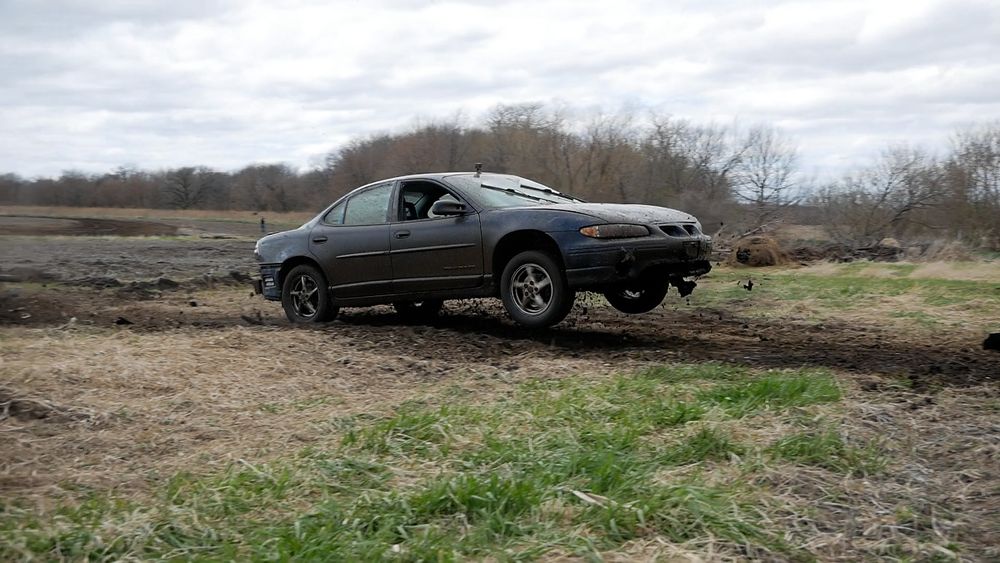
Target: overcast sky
[93, 84]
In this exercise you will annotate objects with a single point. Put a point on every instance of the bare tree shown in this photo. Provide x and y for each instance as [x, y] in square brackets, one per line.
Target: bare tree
[690, 166]
[972, 174]
[519, 138]
[609, 156]
[884, 199]
[11, 188]
[765, 174]
[189, 187]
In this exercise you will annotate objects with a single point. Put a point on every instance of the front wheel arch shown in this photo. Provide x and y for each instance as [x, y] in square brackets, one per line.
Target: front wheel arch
[291, 263]
[514, 243]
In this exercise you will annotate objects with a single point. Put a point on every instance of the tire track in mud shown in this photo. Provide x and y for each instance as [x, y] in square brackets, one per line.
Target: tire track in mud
[479, 330]
[64, 226]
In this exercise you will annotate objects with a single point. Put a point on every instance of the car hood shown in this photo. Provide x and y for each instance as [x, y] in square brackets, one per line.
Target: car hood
[626, 212]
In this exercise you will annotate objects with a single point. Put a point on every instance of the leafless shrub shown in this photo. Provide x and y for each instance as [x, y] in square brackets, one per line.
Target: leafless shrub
[883, 200]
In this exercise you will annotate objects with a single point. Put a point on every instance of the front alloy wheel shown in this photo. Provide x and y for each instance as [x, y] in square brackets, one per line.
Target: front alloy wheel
[305, 297]
[534, 291]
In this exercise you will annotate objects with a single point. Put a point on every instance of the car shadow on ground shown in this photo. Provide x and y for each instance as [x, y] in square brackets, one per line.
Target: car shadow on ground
[667, 336]
[571, 334]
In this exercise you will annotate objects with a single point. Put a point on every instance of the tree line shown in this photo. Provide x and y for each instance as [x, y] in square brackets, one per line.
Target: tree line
[744, 178]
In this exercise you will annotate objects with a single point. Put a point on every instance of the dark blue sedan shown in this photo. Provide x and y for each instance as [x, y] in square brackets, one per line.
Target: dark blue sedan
[415, 241]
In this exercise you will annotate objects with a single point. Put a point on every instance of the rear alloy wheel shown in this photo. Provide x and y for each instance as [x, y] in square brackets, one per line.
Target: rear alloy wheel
[418, 311]
[638, 297]
[305, 296]
[534, 291]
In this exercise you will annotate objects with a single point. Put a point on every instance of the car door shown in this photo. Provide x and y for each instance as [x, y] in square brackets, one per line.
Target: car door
[351, 243]
[431, 253]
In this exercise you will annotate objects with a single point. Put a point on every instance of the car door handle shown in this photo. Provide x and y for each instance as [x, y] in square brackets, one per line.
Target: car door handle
[401, 234]
[319, 239]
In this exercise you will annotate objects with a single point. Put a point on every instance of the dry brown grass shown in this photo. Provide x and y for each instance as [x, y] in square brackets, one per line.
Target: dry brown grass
[960, 271]
[96, 408]
[191, 399]
[969, 271]
[128, 213]
[938, 491]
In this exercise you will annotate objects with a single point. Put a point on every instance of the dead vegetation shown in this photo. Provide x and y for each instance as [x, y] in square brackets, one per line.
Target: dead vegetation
[23, 407]
[902, 466]
[757, 251]
[56, 212]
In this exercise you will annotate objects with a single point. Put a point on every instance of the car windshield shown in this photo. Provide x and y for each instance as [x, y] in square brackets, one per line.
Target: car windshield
[500, 190]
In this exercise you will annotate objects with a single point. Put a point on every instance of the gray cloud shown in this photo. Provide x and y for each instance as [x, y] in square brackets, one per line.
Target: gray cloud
[91, 84]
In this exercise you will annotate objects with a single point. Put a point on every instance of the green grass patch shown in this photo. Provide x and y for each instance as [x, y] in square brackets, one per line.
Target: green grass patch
[858, 269]
[771, 392]
[572, 464]
[706, 444]
[920, 317]
[827, 449]
[927, 302]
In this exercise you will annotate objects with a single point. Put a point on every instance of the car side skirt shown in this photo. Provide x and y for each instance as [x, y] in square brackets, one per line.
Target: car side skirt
[485, 290]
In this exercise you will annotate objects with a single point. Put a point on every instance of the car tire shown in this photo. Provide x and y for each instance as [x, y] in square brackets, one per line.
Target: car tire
[534, 290]
[640, 297]
[306, 297]
[418, 311]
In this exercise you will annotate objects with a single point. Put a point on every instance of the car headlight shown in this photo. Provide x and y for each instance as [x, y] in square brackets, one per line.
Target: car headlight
[615, 230]
[256, 251]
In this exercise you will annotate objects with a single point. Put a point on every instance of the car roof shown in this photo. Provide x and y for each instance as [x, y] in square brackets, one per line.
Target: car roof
[431, 176]
[435, 175]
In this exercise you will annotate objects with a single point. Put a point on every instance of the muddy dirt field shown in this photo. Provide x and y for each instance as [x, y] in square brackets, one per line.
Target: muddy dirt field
[152, 283]
[132, 356]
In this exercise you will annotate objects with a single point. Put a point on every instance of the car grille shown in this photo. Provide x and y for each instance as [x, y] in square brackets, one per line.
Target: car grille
[680, 230]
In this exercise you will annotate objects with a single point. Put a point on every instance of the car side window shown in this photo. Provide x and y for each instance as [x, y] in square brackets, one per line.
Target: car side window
[417, 197]
[368, 207]
[335, 216]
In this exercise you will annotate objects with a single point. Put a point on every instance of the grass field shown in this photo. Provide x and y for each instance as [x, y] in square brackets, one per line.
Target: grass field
[577, 466]
[962, 295]
[679, 460]
[199, 436]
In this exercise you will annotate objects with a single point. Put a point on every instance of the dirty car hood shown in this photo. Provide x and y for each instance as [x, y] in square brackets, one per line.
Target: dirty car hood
[626, 213]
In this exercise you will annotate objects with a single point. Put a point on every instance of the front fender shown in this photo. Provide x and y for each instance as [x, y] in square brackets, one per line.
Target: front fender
[279, 247]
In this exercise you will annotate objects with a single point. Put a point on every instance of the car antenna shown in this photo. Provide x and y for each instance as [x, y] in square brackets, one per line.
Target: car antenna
[479, 169]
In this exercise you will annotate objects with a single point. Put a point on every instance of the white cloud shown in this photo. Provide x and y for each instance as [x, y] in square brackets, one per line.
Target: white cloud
[93, 84]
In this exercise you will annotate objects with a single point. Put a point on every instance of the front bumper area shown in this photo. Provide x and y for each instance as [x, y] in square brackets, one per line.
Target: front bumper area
[269, 283]
[613, 263]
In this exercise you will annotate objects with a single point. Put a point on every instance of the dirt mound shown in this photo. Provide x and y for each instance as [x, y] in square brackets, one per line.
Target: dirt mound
[757, 251]
[49, 226]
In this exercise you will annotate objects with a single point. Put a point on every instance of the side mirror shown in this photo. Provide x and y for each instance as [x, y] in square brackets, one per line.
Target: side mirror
[447, 208]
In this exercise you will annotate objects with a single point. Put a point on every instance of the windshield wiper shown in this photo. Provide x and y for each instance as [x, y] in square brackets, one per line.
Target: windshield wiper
[553, 192]
[518, 193]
